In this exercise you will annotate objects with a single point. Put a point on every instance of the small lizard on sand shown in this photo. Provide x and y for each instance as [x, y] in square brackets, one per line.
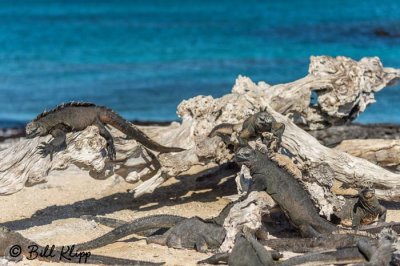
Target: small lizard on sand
[364, 209]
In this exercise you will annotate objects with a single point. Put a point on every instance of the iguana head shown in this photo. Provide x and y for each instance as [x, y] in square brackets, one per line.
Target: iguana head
[367, 193]
[245, 155]
[34, 129]
[264, 121]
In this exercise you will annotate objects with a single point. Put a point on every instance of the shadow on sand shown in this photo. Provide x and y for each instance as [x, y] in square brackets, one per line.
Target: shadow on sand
[205, 189]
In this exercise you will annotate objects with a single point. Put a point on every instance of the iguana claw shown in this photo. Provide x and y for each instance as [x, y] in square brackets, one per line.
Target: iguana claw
[46, 149]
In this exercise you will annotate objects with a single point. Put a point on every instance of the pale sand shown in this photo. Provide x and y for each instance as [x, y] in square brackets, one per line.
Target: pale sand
[49, 213]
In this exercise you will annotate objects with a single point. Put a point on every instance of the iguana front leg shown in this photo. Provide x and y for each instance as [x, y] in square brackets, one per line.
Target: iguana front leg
[158, 239]
[263, 255]
[382, 214]
[357, 217]
[201, 244]
[110, 141]
[57, 144]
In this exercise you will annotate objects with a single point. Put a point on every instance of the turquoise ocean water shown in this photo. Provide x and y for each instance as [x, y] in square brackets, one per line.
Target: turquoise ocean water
[142, 58]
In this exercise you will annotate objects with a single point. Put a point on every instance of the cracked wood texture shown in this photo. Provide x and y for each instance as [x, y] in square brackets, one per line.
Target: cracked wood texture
[383, 152]
[344, 87]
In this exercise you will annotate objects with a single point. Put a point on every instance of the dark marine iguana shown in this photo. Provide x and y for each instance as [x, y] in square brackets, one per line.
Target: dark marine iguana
[331, 241]
[13, 246]
[151, 225]
[251, 128]
[291, 197]
[182, 233]
[247, 251]
[362, 210]
[285, 190]
[76, 116]
[188, 233]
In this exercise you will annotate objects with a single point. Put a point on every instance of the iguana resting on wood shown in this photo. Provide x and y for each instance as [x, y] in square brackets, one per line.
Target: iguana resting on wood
[251, 128]
[285, 190]
[364, 209]
[182, 233]
[76, 116]
[291, 197]
[13, 245]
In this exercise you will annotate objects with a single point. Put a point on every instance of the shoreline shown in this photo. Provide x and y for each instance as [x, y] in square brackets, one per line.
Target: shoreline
[387, 130]
[19, 132]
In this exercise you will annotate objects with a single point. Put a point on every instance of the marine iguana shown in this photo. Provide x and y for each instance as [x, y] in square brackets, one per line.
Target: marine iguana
[13, 245]
[76, 116]
[197, 225]
[285, 190]
[195, 233]
[136, 226]
[379, 255]
[187, 233]
[192, 233]
[244, 253]
[251, 128]
[248, 251]
[364, 209]
[331, 241]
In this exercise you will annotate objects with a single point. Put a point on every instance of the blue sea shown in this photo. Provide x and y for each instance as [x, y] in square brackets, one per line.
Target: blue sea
[143, 57]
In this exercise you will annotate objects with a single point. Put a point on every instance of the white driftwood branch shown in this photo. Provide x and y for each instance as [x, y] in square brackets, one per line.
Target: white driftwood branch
[324, 165]
[22, 165]
[382, 152]
[343, 87]
[246, 213]
[320, 165]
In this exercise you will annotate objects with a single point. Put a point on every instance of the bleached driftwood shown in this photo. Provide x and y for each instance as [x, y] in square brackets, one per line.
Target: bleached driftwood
[343, 88]
[320, 165]
[246, 213]
[21, 164]
[382, 152]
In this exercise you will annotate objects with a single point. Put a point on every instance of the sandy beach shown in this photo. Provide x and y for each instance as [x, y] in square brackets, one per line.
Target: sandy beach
[50, 213]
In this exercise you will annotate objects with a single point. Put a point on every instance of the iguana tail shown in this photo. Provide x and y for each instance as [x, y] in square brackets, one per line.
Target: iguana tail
[11, 242]
[132, 132]
[304, 245]
[371, 231]
[341, 256]
[138, 225]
